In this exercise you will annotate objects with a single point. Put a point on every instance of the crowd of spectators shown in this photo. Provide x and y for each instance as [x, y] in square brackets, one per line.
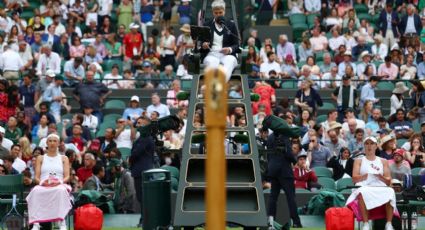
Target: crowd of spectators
[96, 47]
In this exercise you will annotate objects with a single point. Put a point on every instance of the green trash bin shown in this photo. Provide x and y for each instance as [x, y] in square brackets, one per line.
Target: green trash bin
[156, 199]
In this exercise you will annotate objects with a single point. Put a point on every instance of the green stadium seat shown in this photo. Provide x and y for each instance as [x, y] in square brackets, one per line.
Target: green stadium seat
[27, 14]
[400, 142]
[415, 171]
[416, 126]
[297, 19]
[111, 116]
[327, 183]
[322, 172]
[321, 118]
[385, 85]
[125, 153]
[12, 184]
[289, 84]
[298, 30]
[343, 183]
[300, 64]
[361, 8]
[327, 106]
[107, 65]
[115, 104]
[310, 18]
[319, 56]
[366, 16]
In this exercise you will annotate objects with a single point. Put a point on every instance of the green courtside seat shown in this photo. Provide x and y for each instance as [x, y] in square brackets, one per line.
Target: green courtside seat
[9, 185]
[322, 172]
[115, 104]
[327, 183]
[343, 183]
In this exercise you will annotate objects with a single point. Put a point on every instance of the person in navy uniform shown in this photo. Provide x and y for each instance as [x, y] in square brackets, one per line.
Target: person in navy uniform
[280, 162]
[224, 42]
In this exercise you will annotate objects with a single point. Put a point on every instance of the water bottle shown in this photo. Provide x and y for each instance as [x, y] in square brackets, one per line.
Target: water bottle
[404, 221]
[414, 221]
[25, 225]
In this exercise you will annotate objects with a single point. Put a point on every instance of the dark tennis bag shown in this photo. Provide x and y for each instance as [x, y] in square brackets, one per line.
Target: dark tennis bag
[414, 193]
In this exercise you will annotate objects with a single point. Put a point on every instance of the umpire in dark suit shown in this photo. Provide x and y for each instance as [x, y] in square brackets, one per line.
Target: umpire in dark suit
[223, 45]
[280, 162]
[142, 159]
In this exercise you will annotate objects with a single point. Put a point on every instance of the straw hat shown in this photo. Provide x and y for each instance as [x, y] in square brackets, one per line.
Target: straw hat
[386, 139]
[348, 53]
[185, 28]
[400, 88]
[334, 125]
[364, 54]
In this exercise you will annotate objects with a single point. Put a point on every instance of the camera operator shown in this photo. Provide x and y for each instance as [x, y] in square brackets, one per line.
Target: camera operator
[141, 158]
[224, 42]
[280, 166]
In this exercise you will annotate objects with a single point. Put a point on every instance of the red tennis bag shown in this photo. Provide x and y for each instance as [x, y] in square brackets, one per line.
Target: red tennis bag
[339, 219]
[88, 217]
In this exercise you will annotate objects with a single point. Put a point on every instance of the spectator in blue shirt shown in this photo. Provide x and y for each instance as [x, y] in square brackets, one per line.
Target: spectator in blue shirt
[401, 127]
[368, 91]
[134, 111]
[184, 12]
[317, 154]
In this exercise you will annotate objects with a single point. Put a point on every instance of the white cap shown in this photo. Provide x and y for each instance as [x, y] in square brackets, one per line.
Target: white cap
[133, 26]
[50, 73]
[371, 138]
[134, 98]
[2, 130]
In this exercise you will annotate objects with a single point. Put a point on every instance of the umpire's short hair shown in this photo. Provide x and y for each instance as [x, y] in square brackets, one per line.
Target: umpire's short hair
[218, 4]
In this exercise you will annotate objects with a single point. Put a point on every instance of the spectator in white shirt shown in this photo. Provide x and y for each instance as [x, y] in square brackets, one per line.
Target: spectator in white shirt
[17, 21]
[113, 80]
[59, 27]
[379, 49]
[312, 6]
[269, 65]
[90, 121]
[318, 41]
[10, 63]
[48, 60]
[18, 163]
[336, 40]
[26, 56]
[157, 106]
[284, 48]
[408, 70]
[125, 133]
[105, 7]
[332, 79]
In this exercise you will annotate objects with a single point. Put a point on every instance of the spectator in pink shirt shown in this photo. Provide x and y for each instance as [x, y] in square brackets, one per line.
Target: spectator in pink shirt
[387, 70]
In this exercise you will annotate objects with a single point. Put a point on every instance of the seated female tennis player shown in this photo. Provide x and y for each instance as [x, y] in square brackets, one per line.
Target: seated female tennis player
[374, 199]
[50, 200]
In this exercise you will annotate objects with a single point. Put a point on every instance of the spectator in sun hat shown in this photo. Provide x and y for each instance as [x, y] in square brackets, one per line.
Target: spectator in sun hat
[347, 61]
[397, 97]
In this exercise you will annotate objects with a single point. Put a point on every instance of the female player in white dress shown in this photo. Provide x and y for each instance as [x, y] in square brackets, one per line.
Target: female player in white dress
[374, 199]
[50, 200]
